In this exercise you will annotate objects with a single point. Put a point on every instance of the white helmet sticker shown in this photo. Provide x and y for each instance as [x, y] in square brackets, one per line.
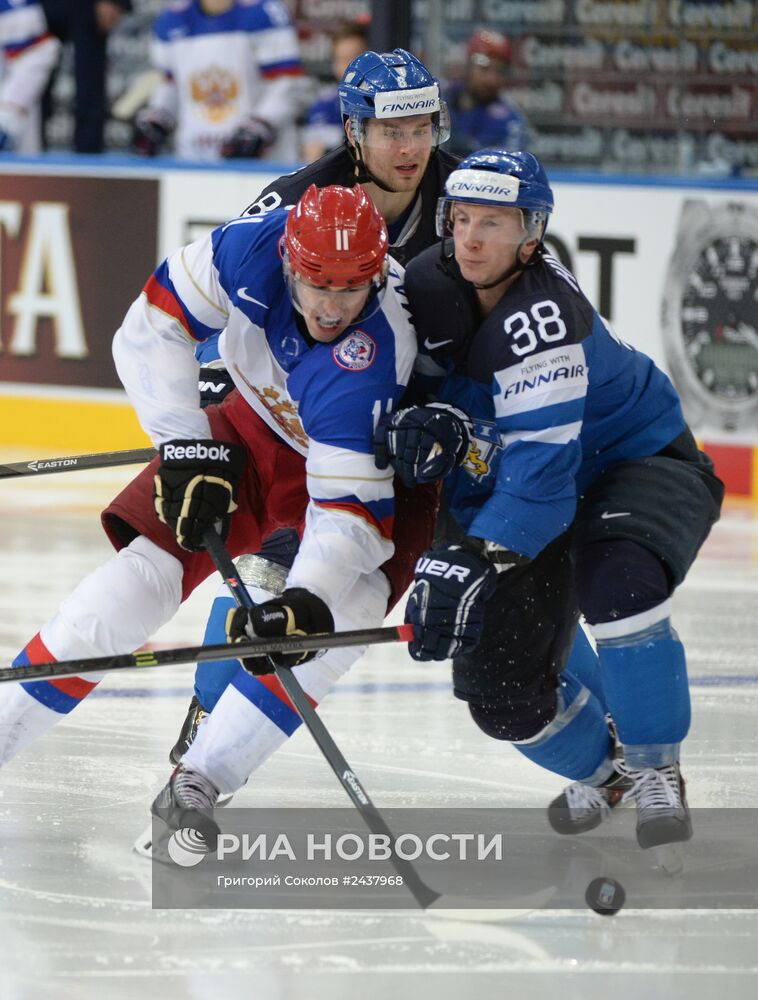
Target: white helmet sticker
[401, 103]
[484, 185]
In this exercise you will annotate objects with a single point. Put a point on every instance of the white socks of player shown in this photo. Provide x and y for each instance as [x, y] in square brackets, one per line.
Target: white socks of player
[113, 610]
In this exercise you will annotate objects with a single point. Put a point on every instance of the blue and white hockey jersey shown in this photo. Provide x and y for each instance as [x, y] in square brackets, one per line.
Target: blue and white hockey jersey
[554, 395]
[29, 54]
[220, 69]
[323, 400]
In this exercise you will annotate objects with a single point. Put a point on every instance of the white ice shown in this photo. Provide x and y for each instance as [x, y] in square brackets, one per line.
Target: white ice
[75, 910]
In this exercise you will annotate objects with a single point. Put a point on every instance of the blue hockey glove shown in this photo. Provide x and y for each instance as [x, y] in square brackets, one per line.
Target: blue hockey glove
[423, 444]
[447, 602]
[214, 384]
[296, 612]
[196, 486]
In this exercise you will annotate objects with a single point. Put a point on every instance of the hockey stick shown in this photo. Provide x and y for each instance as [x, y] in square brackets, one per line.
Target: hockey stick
[97, 460]
[203, 654]
[373, 819]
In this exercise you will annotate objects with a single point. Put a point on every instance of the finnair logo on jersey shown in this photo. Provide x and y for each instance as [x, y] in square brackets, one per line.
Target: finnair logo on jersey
[571, 372]
[400, 103]
[482, 184]
[356, 352]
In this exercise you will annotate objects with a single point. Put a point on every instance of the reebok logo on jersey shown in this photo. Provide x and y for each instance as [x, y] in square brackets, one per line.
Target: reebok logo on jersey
[214, 453]
[438, 567]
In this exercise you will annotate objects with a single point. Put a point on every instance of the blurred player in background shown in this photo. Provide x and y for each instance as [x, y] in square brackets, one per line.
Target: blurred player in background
[480, 113]
[324, 128]
[230, 82]
[318, 342]
[29, 55]
[575, 487]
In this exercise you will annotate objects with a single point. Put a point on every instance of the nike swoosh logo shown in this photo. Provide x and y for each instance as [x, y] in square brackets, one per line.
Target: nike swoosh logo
[437, 343]
[242, 292]
[605, 515]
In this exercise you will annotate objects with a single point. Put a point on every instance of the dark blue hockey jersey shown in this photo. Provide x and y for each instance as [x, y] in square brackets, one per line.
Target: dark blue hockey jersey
[554, 395]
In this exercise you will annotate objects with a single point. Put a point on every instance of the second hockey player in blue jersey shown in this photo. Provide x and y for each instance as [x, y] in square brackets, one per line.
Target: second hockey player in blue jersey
[574, 487]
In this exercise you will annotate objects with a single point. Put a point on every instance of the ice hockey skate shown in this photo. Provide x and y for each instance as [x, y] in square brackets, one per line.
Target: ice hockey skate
[663, 816]
[187, 803]
[582, 807]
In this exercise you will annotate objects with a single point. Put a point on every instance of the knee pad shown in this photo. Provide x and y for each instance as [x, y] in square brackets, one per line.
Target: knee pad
[619, 579]
[520, 719]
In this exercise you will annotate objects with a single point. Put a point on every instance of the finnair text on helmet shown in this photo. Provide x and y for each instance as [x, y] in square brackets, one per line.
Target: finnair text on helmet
[482, 184]
[216, 452]
[400, 103]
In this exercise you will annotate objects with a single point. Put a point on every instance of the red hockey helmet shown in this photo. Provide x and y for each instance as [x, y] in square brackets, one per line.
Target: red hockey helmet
[336, 236]
[489, 45]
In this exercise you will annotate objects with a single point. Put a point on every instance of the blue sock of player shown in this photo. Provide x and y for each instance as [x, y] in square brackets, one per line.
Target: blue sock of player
[576, 744]
[645, 682]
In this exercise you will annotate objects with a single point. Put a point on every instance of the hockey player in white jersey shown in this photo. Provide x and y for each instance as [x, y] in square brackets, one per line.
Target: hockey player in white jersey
[229, 89]
[318, 342]
[29, 56]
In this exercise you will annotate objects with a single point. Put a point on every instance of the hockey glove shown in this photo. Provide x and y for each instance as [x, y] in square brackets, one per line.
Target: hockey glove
[446, 604]
[249, 140]
[196, 487]
[296, 612]
[151, 129]
[214, 384]
[423, 444]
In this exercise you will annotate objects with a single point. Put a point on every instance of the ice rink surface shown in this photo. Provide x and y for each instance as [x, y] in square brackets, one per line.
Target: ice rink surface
[76, 921]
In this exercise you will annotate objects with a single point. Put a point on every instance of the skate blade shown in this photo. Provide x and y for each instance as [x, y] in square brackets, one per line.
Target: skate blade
[143, 846]
[445, 908]
[669, 858]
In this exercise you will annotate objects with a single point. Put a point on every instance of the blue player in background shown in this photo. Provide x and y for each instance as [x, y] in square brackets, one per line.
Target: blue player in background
[574, 487]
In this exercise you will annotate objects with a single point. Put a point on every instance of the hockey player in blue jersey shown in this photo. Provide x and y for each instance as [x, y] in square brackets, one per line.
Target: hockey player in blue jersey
[317, 339]
[574, 487]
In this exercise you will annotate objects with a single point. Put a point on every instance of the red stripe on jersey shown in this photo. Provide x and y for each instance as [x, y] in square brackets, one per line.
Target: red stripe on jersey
[15, 52]
[271, 681]
[276, 71]
[167, 302]
[384, 527]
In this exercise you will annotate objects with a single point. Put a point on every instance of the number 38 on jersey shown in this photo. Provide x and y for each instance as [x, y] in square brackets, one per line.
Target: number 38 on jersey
[543, 323]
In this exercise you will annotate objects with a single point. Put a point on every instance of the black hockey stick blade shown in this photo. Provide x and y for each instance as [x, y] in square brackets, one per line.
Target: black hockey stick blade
[204, 654]
[97, 460]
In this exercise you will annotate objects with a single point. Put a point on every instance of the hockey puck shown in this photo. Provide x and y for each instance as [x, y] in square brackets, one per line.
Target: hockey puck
[605, 896]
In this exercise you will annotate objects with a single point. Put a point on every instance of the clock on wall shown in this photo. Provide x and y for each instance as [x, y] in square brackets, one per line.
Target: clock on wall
[710, 315]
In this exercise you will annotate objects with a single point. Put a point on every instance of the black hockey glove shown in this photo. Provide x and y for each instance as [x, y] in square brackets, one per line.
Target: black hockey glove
[196, 486]
[446, 604]
[296, 612]
[423, 444]
[151, 129]
[214, 384]
[249, 140]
